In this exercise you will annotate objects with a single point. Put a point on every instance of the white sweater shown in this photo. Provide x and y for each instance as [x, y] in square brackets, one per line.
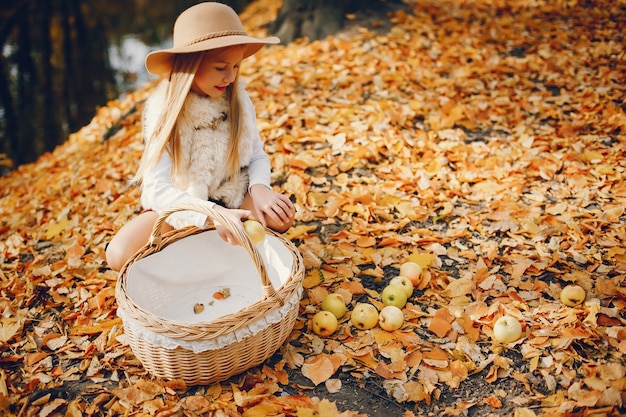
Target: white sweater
[203, 130]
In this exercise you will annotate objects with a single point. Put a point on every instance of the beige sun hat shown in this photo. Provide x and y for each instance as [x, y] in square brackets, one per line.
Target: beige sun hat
[202, 27]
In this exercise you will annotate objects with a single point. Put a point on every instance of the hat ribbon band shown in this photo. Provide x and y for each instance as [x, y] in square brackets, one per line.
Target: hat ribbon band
[216, 35]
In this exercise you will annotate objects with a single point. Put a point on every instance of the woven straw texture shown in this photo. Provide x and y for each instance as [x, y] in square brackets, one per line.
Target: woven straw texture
[211, 365]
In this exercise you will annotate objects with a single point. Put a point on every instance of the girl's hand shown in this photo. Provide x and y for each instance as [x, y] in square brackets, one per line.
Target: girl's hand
[273, 205]
[236, 216]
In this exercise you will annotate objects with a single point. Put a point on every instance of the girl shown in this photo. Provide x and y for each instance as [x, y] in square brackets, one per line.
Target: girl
[202, 142]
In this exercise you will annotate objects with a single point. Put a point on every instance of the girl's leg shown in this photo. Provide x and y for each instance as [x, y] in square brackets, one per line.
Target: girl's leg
[280, 228]
[130, 238]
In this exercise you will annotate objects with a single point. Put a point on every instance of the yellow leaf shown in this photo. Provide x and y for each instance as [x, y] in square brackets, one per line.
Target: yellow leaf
[261, 411]
[298, 232]
[328, 409]
[459, 287]
[355, 208]
[3, 385]
[615, 251]
[389, 200]
[416, 391]
[422, 259]
[305, 412]
[407, 209]
[8, 328]
[73, 409]
[313, 278]
[592, 156]
[520, 265]
[56, 228]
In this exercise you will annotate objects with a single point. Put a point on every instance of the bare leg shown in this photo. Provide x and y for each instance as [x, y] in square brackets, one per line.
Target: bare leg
[130, 238]
[280, 228]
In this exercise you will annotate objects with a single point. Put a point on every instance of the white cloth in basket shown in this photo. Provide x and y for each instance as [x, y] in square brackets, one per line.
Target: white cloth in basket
[191, 270]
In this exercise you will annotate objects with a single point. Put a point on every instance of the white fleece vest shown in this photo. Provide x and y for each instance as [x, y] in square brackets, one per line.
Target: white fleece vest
[203, 127]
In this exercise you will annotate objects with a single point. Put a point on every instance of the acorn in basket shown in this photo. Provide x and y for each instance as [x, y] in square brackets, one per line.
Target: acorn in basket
[254, 230]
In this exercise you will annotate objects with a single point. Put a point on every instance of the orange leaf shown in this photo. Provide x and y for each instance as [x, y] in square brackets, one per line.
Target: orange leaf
[52, 406]
[366, 241]
[493, 402]
[317, 294]
[97, 328]
[435, 353]
[196, 403]
[353, 287]
[575, 333]
[408, 338]
[33, 358]
[440, 323]
[468, 325]
[414, 359]
[364, 356]
[75, 251]
[319, 369]
[388, 371]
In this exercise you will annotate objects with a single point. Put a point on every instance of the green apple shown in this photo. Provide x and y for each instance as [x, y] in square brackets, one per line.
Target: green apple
[394, 295]
[572, 295]
[364, 316]
[404, 282]
[390, 318]
[335, 304]
[324, 323]
[507, 329]
[254, 230]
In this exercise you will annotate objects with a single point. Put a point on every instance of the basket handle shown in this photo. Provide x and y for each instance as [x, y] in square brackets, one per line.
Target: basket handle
[236, 228]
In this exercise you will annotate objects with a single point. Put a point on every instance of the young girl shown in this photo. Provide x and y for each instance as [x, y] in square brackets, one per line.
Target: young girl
[202, 142]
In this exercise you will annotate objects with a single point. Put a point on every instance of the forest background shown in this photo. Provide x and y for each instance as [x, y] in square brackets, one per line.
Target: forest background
[484, 139]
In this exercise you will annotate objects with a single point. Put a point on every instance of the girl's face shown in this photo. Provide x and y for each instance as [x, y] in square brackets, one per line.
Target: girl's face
[218, 71]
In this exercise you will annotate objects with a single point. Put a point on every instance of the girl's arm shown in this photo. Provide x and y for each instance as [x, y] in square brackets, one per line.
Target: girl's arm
[259, 168]
[274, 209]
[158, 193]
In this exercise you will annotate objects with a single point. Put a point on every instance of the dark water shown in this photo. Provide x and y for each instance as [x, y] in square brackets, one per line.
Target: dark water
[62, 59]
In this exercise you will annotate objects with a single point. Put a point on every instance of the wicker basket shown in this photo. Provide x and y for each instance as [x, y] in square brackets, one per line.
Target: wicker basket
[234, 354]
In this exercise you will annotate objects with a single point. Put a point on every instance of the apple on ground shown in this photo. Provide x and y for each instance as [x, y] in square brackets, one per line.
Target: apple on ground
[394, 295]
[324, 323]
[390, 318]
[404, 282]
[334, 303]
[364, 316]
[255, 230]
[411, 270]
[573, 295]
[507, 329]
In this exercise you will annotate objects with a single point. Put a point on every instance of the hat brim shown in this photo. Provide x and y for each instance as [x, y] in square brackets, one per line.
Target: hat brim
[160, 62]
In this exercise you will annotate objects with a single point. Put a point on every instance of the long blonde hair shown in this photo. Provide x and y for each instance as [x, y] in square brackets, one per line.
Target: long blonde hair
[164, 137]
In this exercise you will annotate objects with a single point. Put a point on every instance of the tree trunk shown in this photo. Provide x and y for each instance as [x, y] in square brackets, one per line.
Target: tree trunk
[313, 19]
[316, 19]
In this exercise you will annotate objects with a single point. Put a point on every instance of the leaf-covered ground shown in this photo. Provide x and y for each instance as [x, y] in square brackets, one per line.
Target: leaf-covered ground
[484, 138]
